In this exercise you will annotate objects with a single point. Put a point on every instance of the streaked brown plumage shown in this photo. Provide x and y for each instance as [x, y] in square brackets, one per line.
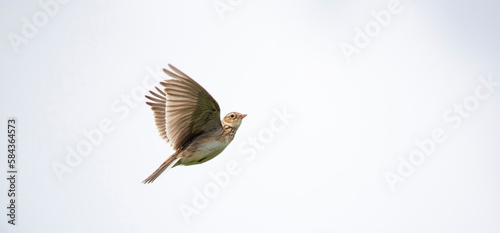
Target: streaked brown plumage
[188, 118]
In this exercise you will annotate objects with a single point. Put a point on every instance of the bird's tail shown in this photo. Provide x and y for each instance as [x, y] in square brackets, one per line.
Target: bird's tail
[169, 163]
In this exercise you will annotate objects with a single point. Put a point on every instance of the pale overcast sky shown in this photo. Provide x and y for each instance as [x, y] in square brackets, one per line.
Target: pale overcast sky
[363, 116]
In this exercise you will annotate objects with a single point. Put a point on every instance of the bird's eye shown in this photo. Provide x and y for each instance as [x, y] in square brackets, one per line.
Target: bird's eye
[232, 116]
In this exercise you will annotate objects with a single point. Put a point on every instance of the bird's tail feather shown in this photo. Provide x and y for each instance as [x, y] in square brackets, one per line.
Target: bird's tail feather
[165, 166]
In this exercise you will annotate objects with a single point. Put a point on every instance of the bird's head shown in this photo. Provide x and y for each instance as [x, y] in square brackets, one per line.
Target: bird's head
[233, 119]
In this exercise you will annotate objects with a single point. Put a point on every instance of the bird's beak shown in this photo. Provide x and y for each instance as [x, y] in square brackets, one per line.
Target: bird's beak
[243, 116]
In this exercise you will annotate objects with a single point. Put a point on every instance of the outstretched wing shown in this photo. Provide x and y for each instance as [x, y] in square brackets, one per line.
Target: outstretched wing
[158, 106]
[183, 110]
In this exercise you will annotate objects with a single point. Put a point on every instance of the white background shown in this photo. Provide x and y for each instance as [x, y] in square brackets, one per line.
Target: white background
[323, 171]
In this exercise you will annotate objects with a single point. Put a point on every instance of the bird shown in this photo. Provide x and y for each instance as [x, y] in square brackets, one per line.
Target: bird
[188, 118]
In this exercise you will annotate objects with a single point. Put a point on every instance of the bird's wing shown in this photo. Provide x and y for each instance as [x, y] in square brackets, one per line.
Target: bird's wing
[158, 106]
[184, 109]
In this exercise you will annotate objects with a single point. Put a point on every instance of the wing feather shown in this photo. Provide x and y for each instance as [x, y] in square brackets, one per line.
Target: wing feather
[183, 109]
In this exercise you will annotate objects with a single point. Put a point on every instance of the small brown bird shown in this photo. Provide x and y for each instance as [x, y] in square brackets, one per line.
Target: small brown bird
[188, 118]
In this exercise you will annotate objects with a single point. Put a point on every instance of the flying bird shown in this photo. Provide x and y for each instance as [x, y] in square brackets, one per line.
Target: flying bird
[188, 118]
